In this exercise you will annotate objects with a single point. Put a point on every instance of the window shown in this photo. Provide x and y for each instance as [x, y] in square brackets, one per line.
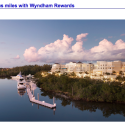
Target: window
[21, 83]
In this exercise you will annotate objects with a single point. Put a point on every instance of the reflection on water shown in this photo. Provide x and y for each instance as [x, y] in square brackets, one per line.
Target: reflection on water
[107, 108]
[21, 92]
[33, 87]
[12, 107]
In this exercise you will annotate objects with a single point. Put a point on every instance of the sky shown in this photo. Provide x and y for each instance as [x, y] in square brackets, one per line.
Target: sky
[30, 42]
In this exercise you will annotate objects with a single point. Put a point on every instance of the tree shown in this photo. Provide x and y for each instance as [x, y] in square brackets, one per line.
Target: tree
[86, 72]
[73, 74]
[57, 71]
[65, 73]
[113, 72]
[119, 78]
[107, 73]
[120, 72]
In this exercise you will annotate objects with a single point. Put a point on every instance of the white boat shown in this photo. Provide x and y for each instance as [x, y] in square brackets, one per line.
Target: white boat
[21, 83]
[17, 77]
[29, 76]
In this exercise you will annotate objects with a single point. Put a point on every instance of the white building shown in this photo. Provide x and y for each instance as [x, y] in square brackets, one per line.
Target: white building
[100, 68]
[70, 67]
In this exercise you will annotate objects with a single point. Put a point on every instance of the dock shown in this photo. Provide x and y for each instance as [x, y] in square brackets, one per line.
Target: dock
[32, 99]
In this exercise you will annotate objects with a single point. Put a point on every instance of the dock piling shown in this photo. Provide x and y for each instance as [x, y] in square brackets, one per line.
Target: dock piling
[53, 100]
[32, 99]
[38, 96]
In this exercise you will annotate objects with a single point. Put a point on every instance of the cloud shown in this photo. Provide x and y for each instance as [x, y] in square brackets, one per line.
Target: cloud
[123, 34]
[81, 36]
[31, 54]
[62, 51]
[107, 51]
[17, 57]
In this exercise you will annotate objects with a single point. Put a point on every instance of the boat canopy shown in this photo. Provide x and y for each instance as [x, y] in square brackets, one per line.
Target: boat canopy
[19, 74]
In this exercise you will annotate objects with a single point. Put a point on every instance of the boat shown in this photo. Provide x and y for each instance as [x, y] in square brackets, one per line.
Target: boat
[29, 76]
[17, 77]
[21, 83]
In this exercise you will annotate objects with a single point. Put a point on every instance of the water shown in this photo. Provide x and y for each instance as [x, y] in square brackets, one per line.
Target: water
[17, 107]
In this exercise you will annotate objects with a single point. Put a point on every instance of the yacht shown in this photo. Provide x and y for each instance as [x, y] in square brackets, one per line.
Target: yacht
[29, 76]
[17, 77]
[21, 83]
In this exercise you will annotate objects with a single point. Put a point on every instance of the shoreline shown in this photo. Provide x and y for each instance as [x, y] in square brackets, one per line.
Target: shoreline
[61, 94]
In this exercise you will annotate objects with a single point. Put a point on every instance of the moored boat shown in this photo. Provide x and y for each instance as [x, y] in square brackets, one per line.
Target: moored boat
[21, 83]
[17, 77]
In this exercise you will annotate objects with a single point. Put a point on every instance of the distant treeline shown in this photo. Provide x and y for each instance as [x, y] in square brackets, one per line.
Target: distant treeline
[25, 70]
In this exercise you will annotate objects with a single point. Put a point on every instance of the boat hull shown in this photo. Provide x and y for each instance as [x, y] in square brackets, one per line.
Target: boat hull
[15, 77]
[21, 86]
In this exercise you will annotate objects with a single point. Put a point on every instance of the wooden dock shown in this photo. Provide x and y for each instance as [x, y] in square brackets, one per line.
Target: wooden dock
[32, 99]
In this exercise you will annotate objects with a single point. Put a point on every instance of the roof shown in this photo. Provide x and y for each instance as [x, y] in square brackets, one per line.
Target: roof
[90, 63]
[79, 62]
[73, 62]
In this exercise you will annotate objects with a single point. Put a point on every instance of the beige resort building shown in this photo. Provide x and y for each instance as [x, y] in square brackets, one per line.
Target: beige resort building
[70, 67]
[103, 66]
[100, 68]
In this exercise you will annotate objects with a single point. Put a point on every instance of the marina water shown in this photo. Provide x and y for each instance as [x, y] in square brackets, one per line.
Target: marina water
[15, 106]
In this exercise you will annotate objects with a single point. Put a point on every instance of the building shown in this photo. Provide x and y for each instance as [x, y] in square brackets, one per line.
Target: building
[100, 68]
[56, 67]
[88, 67]
[103, 67]
[70, 67]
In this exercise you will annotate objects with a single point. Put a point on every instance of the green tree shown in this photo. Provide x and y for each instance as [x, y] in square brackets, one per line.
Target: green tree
[86, 72]
[73, 74]
[107, 73]
[120, 72]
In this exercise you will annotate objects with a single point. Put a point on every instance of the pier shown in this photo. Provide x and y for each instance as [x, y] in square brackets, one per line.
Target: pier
[32, 99]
